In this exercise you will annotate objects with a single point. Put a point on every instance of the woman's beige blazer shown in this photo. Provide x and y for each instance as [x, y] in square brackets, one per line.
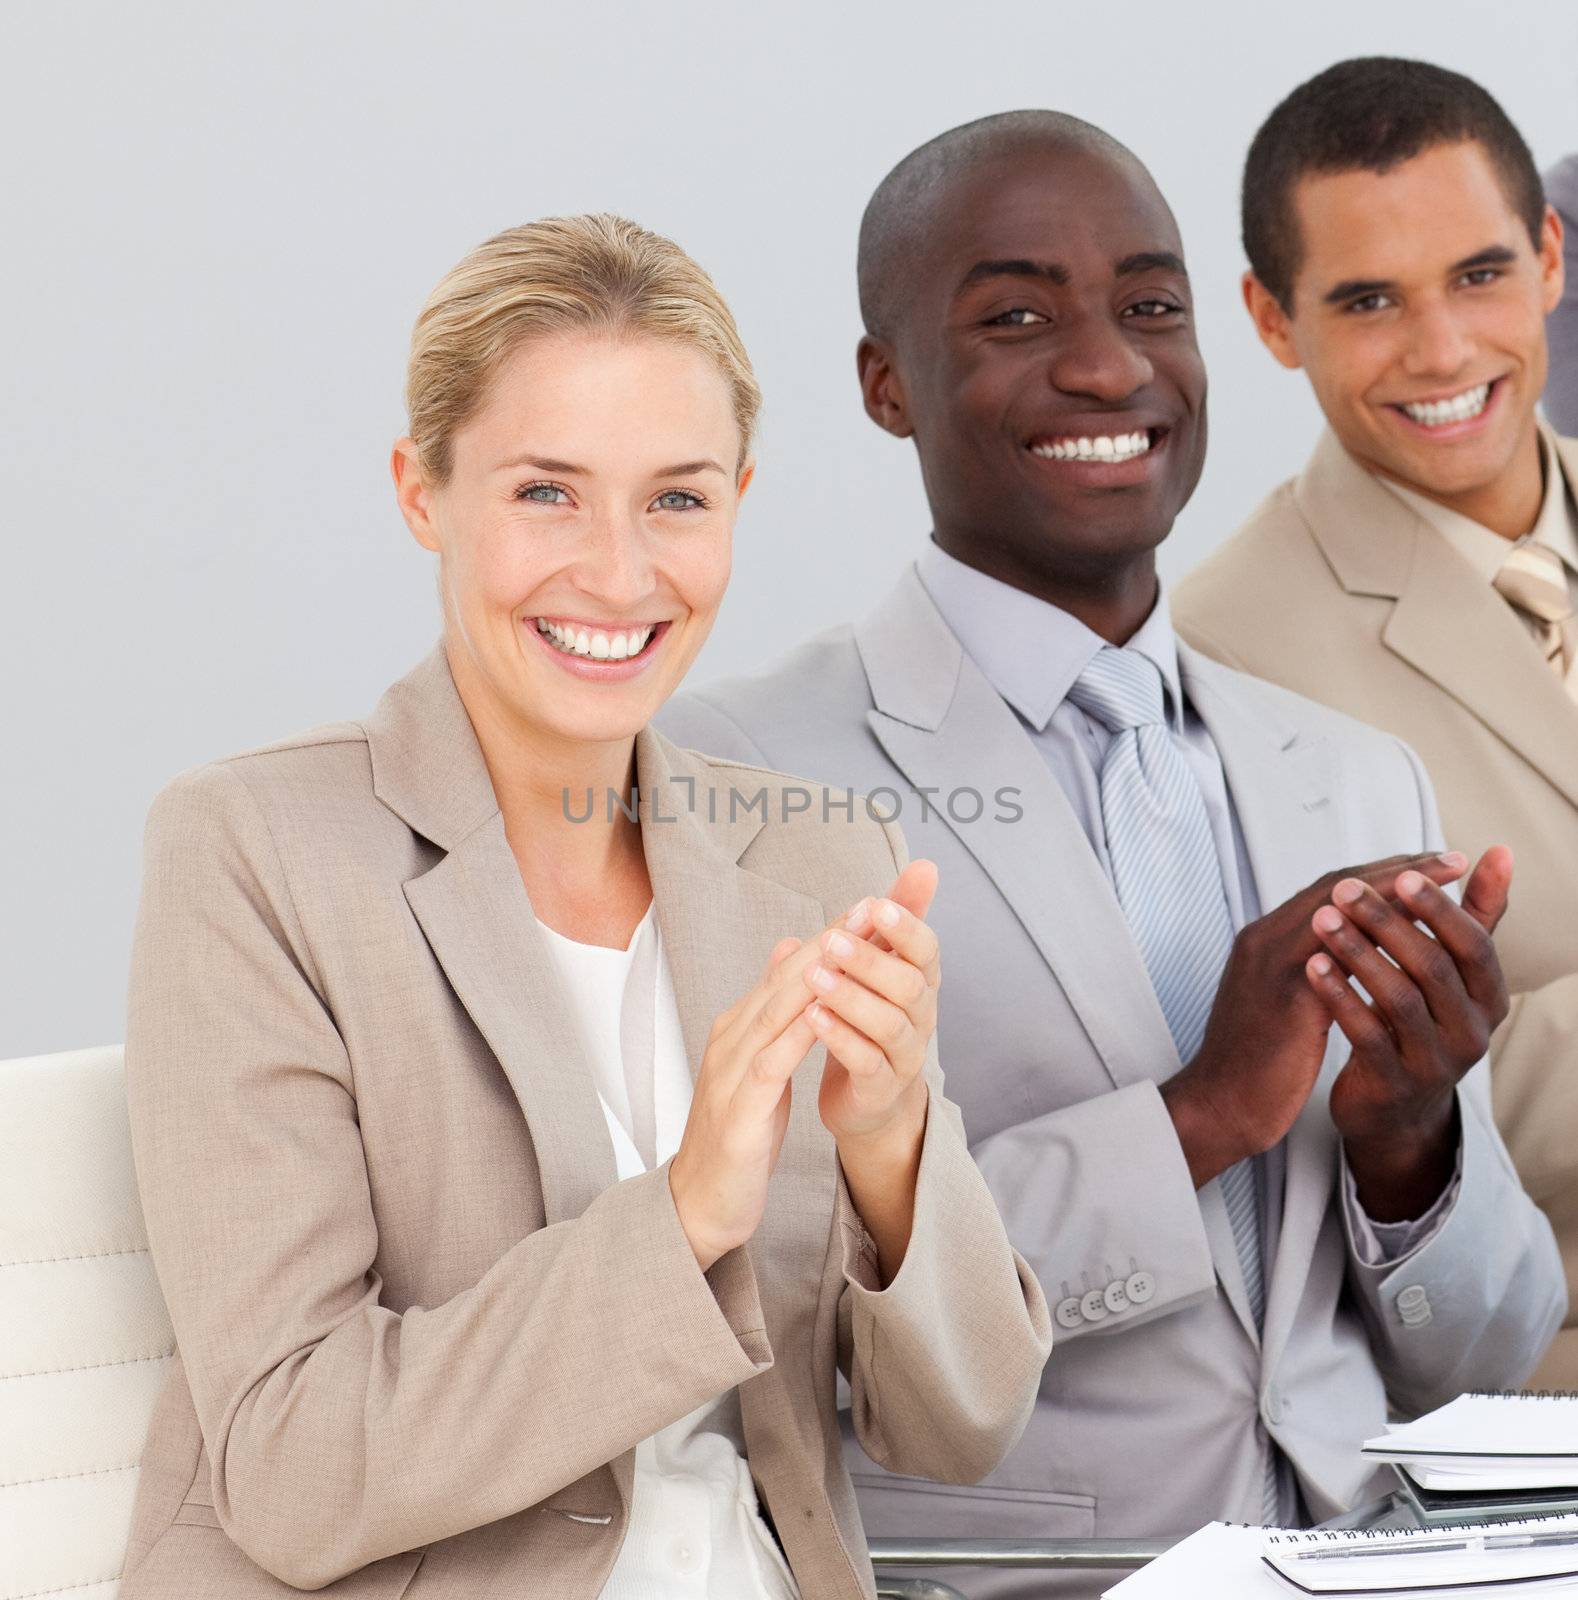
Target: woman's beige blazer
[420, 1325]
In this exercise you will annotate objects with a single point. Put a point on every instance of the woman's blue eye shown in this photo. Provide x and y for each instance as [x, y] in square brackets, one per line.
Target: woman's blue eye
[677, 500]
[544, 494]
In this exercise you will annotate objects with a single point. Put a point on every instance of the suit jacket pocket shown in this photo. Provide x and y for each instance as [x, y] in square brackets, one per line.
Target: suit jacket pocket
[895, 1507]
[194, 1559]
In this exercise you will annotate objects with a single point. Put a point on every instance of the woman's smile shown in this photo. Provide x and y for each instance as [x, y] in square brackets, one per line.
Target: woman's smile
[604, 654]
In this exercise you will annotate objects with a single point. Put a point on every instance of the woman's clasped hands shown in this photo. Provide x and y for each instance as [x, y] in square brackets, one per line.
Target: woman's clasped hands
[866, 987]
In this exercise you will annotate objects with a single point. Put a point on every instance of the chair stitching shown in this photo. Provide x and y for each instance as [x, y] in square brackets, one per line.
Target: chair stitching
[91, 1255]
[81, 1583]
[59, 1477]
[92, 1366]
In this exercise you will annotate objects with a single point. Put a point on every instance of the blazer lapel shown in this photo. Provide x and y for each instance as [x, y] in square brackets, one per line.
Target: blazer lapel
[719, 921]
[1446, 622]
[473, 908]
[945, 727]
[1282, 786]
[1460, 633]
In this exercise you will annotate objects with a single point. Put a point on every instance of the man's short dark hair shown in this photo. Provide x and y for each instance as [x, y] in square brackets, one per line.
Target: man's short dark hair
[1370, 114]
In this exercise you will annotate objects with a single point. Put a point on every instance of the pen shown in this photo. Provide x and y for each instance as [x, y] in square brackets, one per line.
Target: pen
[1489, 1541]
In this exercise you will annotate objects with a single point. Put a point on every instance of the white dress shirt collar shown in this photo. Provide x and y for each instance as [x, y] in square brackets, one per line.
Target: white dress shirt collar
[1556, 527]
[1031, 651]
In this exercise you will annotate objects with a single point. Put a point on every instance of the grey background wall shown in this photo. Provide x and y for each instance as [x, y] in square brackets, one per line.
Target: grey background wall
[221, 220]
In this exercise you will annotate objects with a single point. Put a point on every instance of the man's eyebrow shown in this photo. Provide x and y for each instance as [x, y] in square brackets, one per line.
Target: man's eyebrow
[1493, 255]
[1353, 288]
[1151, 261]
[1014, 267]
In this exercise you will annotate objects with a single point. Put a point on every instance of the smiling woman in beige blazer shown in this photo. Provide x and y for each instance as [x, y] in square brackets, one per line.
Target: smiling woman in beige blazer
[434, 1299]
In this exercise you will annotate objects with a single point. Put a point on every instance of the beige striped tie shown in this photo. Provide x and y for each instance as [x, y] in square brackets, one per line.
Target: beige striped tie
[1535, 581]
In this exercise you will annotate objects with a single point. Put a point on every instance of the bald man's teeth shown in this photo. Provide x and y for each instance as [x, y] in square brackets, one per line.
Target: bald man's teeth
[1109, 448]
[595, 645]
[1460, 408]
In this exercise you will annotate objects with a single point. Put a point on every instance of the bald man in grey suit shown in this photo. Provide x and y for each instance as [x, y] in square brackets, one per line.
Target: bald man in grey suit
[1258, 1238]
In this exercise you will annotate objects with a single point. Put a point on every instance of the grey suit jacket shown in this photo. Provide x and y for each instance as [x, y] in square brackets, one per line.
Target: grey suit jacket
[1335, 588]
[421, 1327]
[1561, 387]
[1147, 1415]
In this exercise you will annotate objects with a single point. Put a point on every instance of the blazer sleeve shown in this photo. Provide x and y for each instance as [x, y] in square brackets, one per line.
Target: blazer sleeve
[1535, 1092]
[341, 1431]
[1099, 1193]
[945, 1362]
[1476, 1303]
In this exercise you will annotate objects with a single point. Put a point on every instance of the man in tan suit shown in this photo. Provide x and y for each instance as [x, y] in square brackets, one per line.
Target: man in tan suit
[1421, 573]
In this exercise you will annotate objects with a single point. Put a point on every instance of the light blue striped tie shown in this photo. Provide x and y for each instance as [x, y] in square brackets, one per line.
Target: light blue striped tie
[1169, 885]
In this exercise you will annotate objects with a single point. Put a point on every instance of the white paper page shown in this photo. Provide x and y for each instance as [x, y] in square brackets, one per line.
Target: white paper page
[1487, 1425]
[1469, 1475]
[1220, 1562]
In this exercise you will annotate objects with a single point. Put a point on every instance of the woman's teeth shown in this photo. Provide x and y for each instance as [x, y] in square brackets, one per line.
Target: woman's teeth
[596, 645]
[1107, 447]
[1437, 413]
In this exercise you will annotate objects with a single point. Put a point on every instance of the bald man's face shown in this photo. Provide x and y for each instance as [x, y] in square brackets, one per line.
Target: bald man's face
[1045, 362]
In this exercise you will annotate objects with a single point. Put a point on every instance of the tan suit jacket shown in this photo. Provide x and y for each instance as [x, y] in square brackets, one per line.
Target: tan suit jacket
[1337, 589]
[421, 1327]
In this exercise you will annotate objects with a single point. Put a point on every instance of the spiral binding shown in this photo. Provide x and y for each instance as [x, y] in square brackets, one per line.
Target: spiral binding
[1523, 1394]
[1317, 1536]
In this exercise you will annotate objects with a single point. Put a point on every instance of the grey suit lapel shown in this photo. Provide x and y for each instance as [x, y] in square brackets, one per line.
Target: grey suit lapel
[1446, 622]
[1282, 786]
[945, 727]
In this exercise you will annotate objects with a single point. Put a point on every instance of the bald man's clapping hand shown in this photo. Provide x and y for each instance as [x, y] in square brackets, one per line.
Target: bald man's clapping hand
[1434, 999]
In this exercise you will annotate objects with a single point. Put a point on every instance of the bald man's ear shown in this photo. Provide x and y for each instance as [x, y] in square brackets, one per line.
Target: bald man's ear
[1272, 323]
[881, 388]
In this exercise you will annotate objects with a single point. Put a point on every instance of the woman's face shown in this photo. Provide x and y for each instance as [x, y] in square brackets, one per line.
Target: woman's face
[585, 530]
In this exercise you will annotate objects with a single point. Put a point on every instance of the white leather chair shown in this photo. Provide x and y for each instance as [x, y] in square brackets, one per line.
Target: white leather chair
[85, 1341]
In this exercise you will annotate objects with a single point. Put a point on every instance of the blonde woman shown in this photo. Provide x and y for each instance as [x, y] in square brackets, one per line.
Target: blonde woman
[533, 1117]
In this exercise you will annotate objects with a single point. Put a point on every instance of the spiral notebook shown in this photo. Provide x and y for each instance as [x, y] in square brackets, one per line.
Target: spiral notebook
[1535, 1556]
[1511, 1440]
[1228, 1561]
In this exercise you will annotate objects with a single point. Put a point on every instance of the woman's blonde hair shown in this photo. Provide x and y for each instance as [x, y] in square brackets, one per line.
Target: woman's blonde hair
[599, 272]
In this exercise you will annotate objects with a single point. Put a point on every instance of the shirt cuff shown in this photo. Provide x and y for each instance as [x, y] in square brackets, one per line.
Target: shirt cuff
[1384, 1244]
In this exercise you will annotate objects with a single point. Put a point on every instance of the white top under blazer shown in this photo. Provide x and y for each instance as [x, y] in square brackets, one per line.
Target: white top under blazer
[696, 1531]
